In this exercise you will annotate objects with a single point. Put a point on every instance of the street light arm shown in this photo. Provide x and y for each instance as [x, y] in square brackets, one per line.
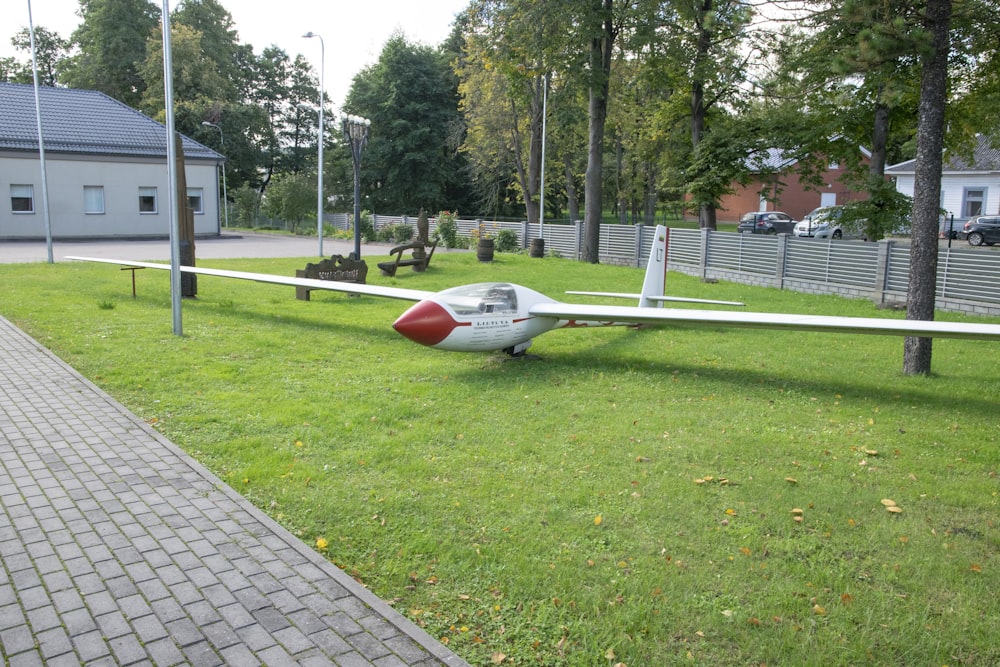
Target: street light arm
[319, 141]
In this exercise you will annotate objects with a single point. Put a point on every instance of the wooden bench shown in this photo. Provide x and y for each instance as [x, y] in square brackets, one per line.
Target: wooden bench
[420, 258]
[337, 267]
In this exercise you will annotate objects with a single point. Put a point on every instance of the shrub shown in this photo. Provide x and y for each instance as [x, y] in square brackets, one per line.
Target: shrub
[398, 233]
[506, 241]
[367, 227]
[447, 229]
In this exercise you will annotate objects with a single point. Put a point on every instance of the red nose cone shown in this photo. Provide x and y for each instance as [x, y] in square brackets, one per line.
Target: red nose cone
[426, 323]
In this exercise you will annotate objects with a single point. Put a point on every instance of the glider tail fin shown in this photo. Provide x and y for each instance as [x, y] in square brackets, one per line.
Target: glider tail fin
[656, 269]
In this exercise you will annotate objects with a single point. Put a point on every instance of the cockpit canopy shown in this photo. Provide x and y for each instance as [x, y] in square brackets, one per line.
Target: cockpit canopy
[481, 299]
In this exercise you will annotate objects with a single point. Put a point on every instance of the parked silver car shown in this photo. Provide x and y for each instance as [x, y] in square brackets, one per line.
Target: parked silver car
[821, 223]
[824, 223]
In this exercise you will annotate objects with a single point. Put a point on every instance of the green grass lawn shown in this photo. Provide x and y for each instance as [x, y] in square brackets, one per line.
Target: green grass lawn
[630, 497]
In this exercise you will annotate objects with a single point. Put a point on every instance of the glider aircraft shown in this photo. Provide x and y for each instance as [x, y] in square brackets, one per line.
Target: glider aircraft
[493, 316]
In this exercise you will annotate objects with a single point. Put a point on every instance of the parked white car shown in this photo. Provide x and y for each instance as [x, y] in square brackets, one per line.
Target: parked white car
[821, 223]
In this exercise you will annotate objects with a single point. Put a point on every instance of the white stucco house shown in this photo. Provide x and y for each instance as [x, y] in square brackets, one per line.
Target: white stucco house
[968, 187]
[106, 167]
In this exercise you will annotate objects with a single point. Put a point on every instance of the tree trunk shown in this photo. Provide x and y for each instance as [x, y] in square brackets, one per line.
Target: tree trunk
[619, 178]
[876, 170]
[927, 186]
[594, 180]
[535, 151]
[600, 70]
[706, 210]
[649, 214]
[880, 137]
[572, 199]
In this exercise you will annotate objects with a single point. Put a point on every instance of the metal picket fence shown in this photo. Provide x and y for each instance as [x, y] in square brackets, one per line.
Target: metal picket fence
[968, 278]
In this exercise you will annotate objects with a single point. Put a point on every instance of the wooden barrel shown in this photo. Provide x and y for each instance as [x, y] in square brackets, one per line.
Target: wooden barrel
[537, 248]
[484, 250]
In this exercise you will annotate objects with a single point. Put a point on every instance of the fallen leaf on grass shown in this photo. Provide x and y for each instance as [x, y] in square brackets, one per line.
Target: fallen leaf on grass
[976, 567]
[791, 480]
[891, 506]
[598, 520]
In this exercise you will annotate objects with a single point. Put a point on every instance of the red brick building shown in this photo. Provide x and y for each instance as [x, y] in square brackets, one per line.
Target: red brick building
[777, 187]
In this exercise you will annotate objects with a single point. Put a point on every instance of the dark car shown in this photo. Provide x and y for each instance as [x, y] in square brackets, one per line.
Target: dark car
[982, 229]
[766, 222]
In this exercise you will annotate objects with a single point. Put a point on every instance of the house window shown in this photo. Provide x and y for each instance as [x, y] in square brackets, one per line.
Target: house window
[147, 200]
[93, 199]
[973, 201]
[22, 198]
[195, 200]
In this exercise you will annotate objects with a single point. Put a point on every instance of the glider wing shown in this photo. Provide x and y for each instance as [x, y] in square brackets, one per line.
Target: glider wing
[311, 283]
[750, 320]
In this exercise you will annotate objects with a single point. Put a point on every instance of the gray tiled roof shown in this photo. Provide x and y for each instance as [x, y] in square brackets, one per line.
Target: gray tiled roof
[984, 158]
[770, 159]
[83, 121]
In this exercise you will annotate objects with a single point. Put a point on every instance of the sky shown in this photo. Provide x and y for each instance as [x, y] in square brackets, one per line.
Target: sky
[353, 32]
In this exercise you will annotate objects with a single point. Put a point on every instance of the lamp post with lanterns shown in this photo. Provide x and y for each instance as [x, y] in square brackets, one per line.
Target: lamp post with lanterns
[356, 133]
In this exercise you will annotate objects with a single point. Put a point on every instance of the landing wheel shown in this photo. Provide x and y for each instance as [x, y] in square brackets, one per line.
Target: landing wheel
[518, 351]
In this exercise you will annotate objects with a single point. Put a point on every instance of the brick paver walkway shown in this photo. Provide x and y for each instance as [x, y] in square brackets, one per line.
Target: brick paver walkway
[116, 548]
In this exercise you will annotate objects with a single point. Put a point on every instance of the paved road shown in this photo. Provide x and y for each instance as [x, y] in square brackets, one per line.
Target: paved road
[225, 246]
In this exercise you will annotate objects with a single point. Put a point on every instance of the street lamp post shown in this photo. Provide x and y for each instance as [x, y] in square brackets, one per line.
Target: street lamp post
[356, 134]
[225, 195]
[319, 178]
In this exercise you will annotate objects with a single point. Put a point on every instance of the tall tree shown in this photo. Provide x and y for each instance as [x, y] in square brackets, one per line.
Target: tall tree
[219, 39]
[504, 73]
[111, 41]
[599, 22]
[50, 52]
[927, 183]
[411, 97]
[300, 125]
[270, 94]
[711, 43]
[197, 84]
[862, 69]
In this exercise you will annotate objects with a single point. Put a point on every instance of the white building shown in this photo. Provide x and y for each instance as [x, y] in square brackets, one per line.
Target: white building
[106, 167]
[968, 188]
